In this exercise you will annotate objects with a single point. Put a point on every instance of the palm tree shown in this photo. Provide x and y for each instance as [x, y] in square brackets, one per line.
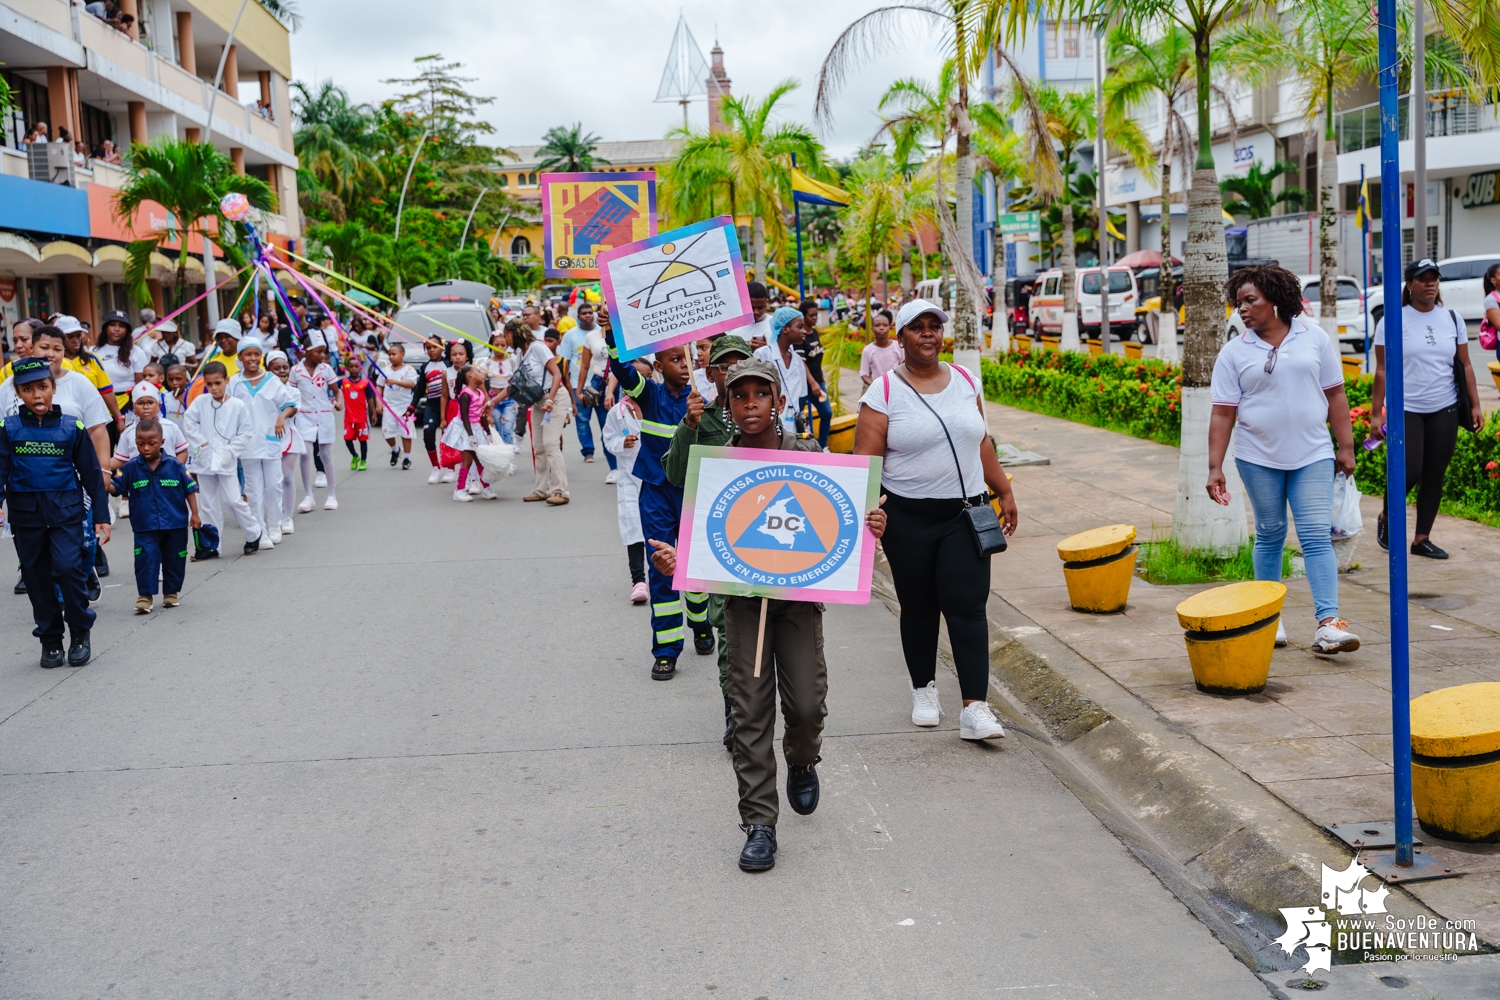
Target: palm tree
[924, 117]
[568, 150]
[972, 33]
[187, 179]
[336, 142]
[1147, 67]
[747, 163]
[1328, 46]
[887, 208]
[1254, 194]
[284, 11]
[356, 251]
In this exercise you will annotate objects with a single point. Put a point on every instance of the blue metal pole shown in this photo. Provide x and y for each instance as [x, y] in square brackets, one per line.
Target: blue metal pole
[1395, 439]
[797, 217]
[1364, 261]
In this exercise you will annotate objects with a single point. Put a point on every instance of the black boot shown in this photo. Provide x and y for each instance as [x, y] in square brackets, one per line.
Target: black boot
[101, 561]
[79, 650]
[94, 587]
[52, 654]
[728, 725]
[663, 669]
[703, 640]
[802, 787]
[252, 547]
[759, 853]
[20, 584]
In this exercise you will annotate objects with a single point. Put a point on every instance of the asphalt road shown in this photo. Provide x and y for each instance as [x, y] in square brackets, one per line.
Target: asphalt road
[415, 751]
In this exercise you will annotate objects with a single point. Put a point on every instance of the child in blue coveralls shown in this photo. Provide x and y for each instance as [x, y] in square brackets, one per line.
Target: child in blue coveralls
[47, 463]
[162, 508]
[663, 405]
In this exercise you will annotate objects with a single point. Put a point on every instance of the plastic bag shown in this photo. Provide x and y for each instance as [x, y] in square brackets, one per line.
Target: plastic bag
[1346, 517]
[497, 457]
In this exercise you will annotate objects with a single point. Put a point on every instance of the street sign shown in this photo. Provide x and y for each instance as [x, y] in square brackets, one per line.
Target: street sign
[1020, 223]
[782, 524]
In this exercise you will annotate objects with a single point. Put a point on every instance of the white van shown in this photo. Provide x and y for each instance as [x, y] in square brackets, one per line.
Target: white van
[431, 309]
[1047, 302]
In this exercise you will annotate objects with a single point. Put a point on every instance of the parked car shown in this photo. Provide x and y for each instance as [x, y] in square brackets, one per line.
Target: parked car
[1047, 301]
[437, 308]
[1351, 306]
[1459, 286]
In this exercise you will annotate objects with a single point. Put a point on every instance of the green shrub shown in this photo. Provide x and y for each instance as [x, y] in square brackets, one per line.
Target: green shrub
[1140, 397]
[1164, 563]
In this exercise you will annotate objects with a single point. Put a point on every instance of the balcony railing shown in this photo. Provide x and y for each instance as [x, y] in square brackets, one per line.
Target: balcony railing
[1447, 114]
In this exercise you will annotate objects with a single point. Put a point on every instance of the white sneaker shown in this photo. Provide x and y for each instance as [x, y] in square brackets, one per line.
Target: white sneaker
[274, 534]
[1280, 633]
[978, 722]
[287, 527]
[1334, 637]
[331, 503]
[436, 477]
[610, 479]
[462, 496]
[449, 476]
[267, 543]
[307, 504]
[475, 486]
[320, 480]
[488, 494]
[925, 710]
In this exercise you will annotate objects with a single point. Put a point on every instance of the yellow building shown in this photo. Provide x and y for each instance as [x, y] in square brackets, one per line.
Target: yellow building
[519, 178]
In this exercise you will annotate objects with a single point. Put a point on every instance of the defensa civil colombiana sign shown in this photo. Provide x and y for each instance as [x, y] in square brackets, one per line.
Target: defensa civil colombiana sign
[675, 287]
[783, 524]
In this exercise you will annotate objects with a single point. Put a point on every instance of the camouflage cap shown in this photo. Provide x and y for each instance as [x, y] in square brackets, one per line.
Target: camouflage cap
[753, 368]
[729, 344]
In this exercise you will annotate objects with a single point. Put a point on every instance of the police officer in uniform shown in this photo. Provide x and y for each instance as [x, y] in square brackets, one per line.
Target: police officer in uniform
[47, 463]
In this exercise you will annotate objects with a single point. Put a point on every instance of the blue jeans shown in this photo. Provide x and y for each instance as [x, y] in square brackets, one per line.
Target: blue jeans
[585, 433]
[1309, 491]
[824, 412]
[505, 420]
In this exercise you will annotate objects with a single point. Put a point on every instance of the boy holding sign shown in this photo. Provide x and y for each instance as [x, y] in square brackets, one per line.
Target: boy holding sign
[662, 407]
[793, 633]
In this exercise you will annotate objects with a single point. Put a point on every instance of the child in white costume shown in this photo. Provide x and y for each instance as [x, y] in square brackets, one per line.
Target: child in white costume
[622, 438]
[218, 427]
[292, 446]
[313, 378]
[271, 404]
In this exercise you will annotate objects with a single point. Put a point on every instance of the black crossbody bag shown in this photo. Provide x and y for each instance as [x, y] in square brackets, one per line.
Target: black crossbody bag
[989, 536]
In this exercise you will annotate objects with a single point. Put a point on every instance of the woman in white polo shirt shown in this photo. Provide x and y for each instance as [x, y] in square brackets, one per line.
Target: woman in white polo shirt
[1432, 338]
[1282, 386]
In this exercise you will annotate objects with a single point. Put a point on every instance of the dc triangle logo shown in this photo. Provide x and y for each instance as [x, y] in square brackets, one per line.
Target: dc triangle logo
[782, 526]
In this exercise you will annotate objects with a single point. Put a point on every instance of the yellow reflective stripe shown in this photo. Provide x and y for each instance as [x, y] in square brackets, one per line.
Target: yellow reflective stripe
[694, 598]
[671, 635]
[697, 616]
[656, 429]
[667, 608]
[640, 387]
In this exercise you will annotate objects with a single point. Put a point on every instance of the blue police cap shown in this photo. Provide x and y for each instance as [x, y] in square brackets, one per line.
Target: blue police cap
[31, 370]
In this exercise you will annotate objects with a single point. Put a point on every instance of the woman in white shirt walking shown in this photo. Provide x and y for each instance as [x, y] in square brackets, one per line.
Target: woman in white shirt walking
[909, 416]
[1432, 340]
[1282, 386]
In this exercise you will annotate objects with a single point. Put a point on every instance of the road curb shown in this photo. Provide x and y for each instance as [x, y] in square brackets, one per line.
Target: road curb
[1225, 846]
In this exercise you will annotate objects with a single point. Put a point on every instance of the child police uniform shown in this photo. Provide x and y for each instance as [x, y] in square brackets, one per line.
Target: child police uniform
[158, 521]
[47, 463]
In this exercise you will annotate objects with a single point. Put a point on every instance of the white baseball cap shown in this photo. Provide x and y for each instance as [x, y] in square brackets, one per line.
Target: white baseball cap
[916, 307]
[68, 324]
[229, 327]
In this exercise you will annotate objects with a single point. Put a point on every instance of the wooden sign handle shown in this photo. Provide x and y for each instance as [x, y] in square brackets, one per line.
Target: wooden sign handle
[760, 636]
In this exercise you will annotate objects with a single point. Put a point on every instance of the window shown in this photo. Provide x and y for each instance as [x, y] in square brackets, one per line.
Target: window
[1119, 282]
[531, 179]
[1051, 30]
[520, 246]
[505, 180]
[1050, 287]
[1070, 40]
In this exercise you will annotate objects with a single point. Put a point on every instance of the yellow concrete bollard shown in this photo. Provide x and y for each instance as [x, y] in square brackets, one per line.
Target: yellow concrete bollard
[1231, 633]
[1455, 766]
[841, 434]
[1133, 348]
[1050, 341]
[1494, 367]
[1098, 566]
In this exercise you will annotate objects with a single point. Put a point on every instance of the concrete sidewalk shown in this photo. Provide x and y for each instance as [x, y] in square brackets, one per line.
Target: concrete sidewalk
[1319, 737]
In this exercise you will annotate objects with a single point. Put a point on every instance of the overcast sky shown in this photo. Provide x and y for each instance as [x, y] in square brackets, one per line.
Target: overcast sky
[554, 62]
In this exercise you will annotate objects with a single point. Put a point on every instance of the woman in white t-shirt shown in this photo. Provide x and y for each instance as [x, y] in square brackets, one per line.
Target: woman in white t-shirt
[1281, 386]
[123, 361]
[549, 415]
[1432, 338]
[934, 560]
[1489, 286]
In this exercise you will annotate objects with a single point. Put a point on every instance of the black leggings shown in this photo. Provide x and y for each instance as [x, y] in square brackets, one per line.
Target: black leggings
[430, 424]
[636, 553]
[1430, 440]
[938, 569]
[364, 449]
